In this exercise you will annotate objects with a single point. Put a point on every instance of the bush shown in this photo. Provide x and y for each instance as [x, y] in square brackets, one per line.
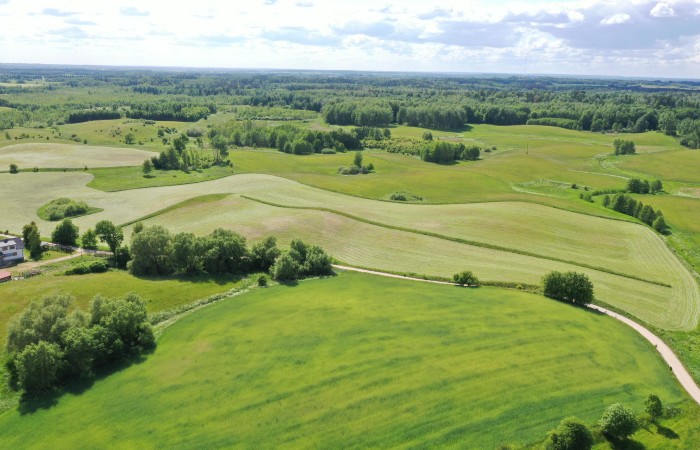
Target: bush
[98, 266]
[14, 168]
[62, 208]
[262, 281]
[571, 434]
[466, 278]
[571, 287]
[285, 268]
[618, 422]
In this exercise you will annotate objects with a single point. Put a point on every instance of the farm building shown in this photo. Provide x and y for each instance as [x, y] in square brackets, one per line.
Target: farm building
[5, 276]
[11, 250]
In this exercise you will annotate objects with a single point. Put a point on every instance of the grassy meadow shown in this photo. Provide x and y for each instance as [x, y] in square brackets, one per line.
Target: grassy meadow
[363, 361]
[53, 156]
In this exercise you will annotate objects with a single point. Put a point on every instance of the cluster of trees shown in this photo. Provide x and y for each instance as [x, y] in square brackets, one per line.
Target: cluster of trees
[617, 423]
[51, 341]
[179, 157]
[289, 138]
[442, 152]
[572, 287]
[628, 205]
[637, 186]
[368, 114]
[688, 132]
[624, 147]
[570, 124]
[155, 251]
[432, 116]
[170, 110]
[87, 115]
[63, 207]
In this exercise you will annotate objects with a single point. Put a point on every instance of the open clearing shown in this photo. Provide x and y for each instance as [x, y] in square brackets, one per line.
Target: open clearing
[51, 156]
[611, 245]
[362, 361]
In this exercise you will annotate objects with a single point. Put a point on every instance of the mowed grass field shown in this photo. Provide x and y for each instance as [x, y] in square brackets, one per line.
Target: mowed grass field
[52, 155]
[159, 293]
[545, 233]
[374, 246]
[360, 361]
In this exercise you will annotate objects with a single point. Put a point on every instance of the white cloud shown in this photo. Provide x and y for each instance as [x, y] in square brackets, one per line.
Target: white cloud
[617, 19]
[662, 10]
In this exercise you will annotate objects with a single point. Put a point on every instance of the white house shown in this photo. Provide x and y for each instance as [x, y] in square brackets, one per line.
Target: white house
[11, 250]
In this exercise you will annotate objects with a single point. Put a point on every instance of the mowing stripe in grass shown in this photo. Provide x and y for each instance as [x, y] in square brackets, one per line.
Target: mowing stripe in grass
[458, 240]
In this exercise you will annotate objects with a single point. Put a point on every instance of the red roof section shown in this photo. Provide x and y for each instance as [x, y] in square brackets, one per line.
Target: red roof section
[5, 274]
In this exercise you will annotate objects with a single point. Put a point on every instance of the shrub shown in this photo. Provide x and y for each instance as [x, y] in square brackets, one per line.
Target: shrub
[262, 281]
[14, 168]
[285, 268]
[466, 278]
[97, 266]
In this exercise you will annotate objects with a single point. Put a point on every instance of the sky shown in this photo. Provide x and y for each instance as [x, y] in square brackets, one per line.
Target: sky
[635, 38]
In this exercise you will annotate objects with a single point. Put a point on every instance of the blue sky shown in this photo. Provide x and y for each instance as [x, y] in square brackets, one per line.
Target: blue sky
[633, 38]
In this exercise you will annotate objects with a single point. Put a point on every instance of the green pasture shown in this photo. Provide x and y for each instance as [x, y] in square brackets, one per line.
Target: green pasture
[361, 361]
[382, 246]
[121, 178]
[159, 293]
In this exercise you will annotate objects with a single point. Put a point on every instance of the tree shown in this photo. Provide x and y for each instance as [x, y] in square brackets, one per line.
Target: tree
[317, 262]
[606, 201]
[659, 223]
[66, 233]
[187, 253]
[37, 367]
[109, 234]
[668, 123]
[656, 186]
[89, 240]
[264, 253]
[357, 159]
[571, 434]
[32, 239]
[14, 168]
[129, 138]
[43, 320]
[466, 278]
[572, 287]
[653, 407]
[427, 136]
[147, 167]
[285, 268]
[618, 422]
[219, 144]
[224, 252]
[151, 252]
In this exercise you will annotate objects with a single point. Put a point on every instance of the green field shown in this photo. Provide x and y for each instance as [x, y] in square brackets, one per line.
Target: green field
[550, 238]
[362, 361]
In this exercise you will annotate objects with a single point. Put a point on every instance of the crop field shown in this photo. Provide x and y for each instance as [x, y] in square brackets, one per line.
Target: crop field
[548, 237]
[51, 155]
[367, 245]
[361, 361]
[159, 293]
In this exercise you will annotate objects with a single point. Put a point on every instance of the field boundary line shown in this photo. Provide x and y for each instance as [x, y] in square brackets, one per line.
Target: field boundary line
[674, 364]
[458, 240]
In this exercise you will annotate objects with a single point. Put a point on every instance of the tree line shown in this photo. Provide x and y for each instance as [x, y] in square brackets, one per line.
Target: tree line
[628, 205]
[155, 251]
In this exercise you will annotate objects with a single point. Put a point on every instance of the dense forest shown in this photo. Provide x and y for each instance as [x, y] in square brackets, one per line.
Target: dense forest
[44, 96]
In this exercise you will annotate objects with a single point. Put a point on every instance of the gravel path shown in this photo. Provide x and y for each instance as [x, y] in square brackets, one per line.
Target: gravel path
[664, 350]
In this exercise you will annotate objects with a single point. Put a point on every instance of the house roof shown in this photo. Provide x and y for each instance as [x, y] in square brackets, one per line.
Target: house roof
[17, 241]
[5, 274]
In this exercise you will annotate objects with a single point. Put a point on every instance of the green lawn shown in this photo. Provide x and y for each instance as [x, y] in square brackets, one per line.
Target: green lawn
[362, 361]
